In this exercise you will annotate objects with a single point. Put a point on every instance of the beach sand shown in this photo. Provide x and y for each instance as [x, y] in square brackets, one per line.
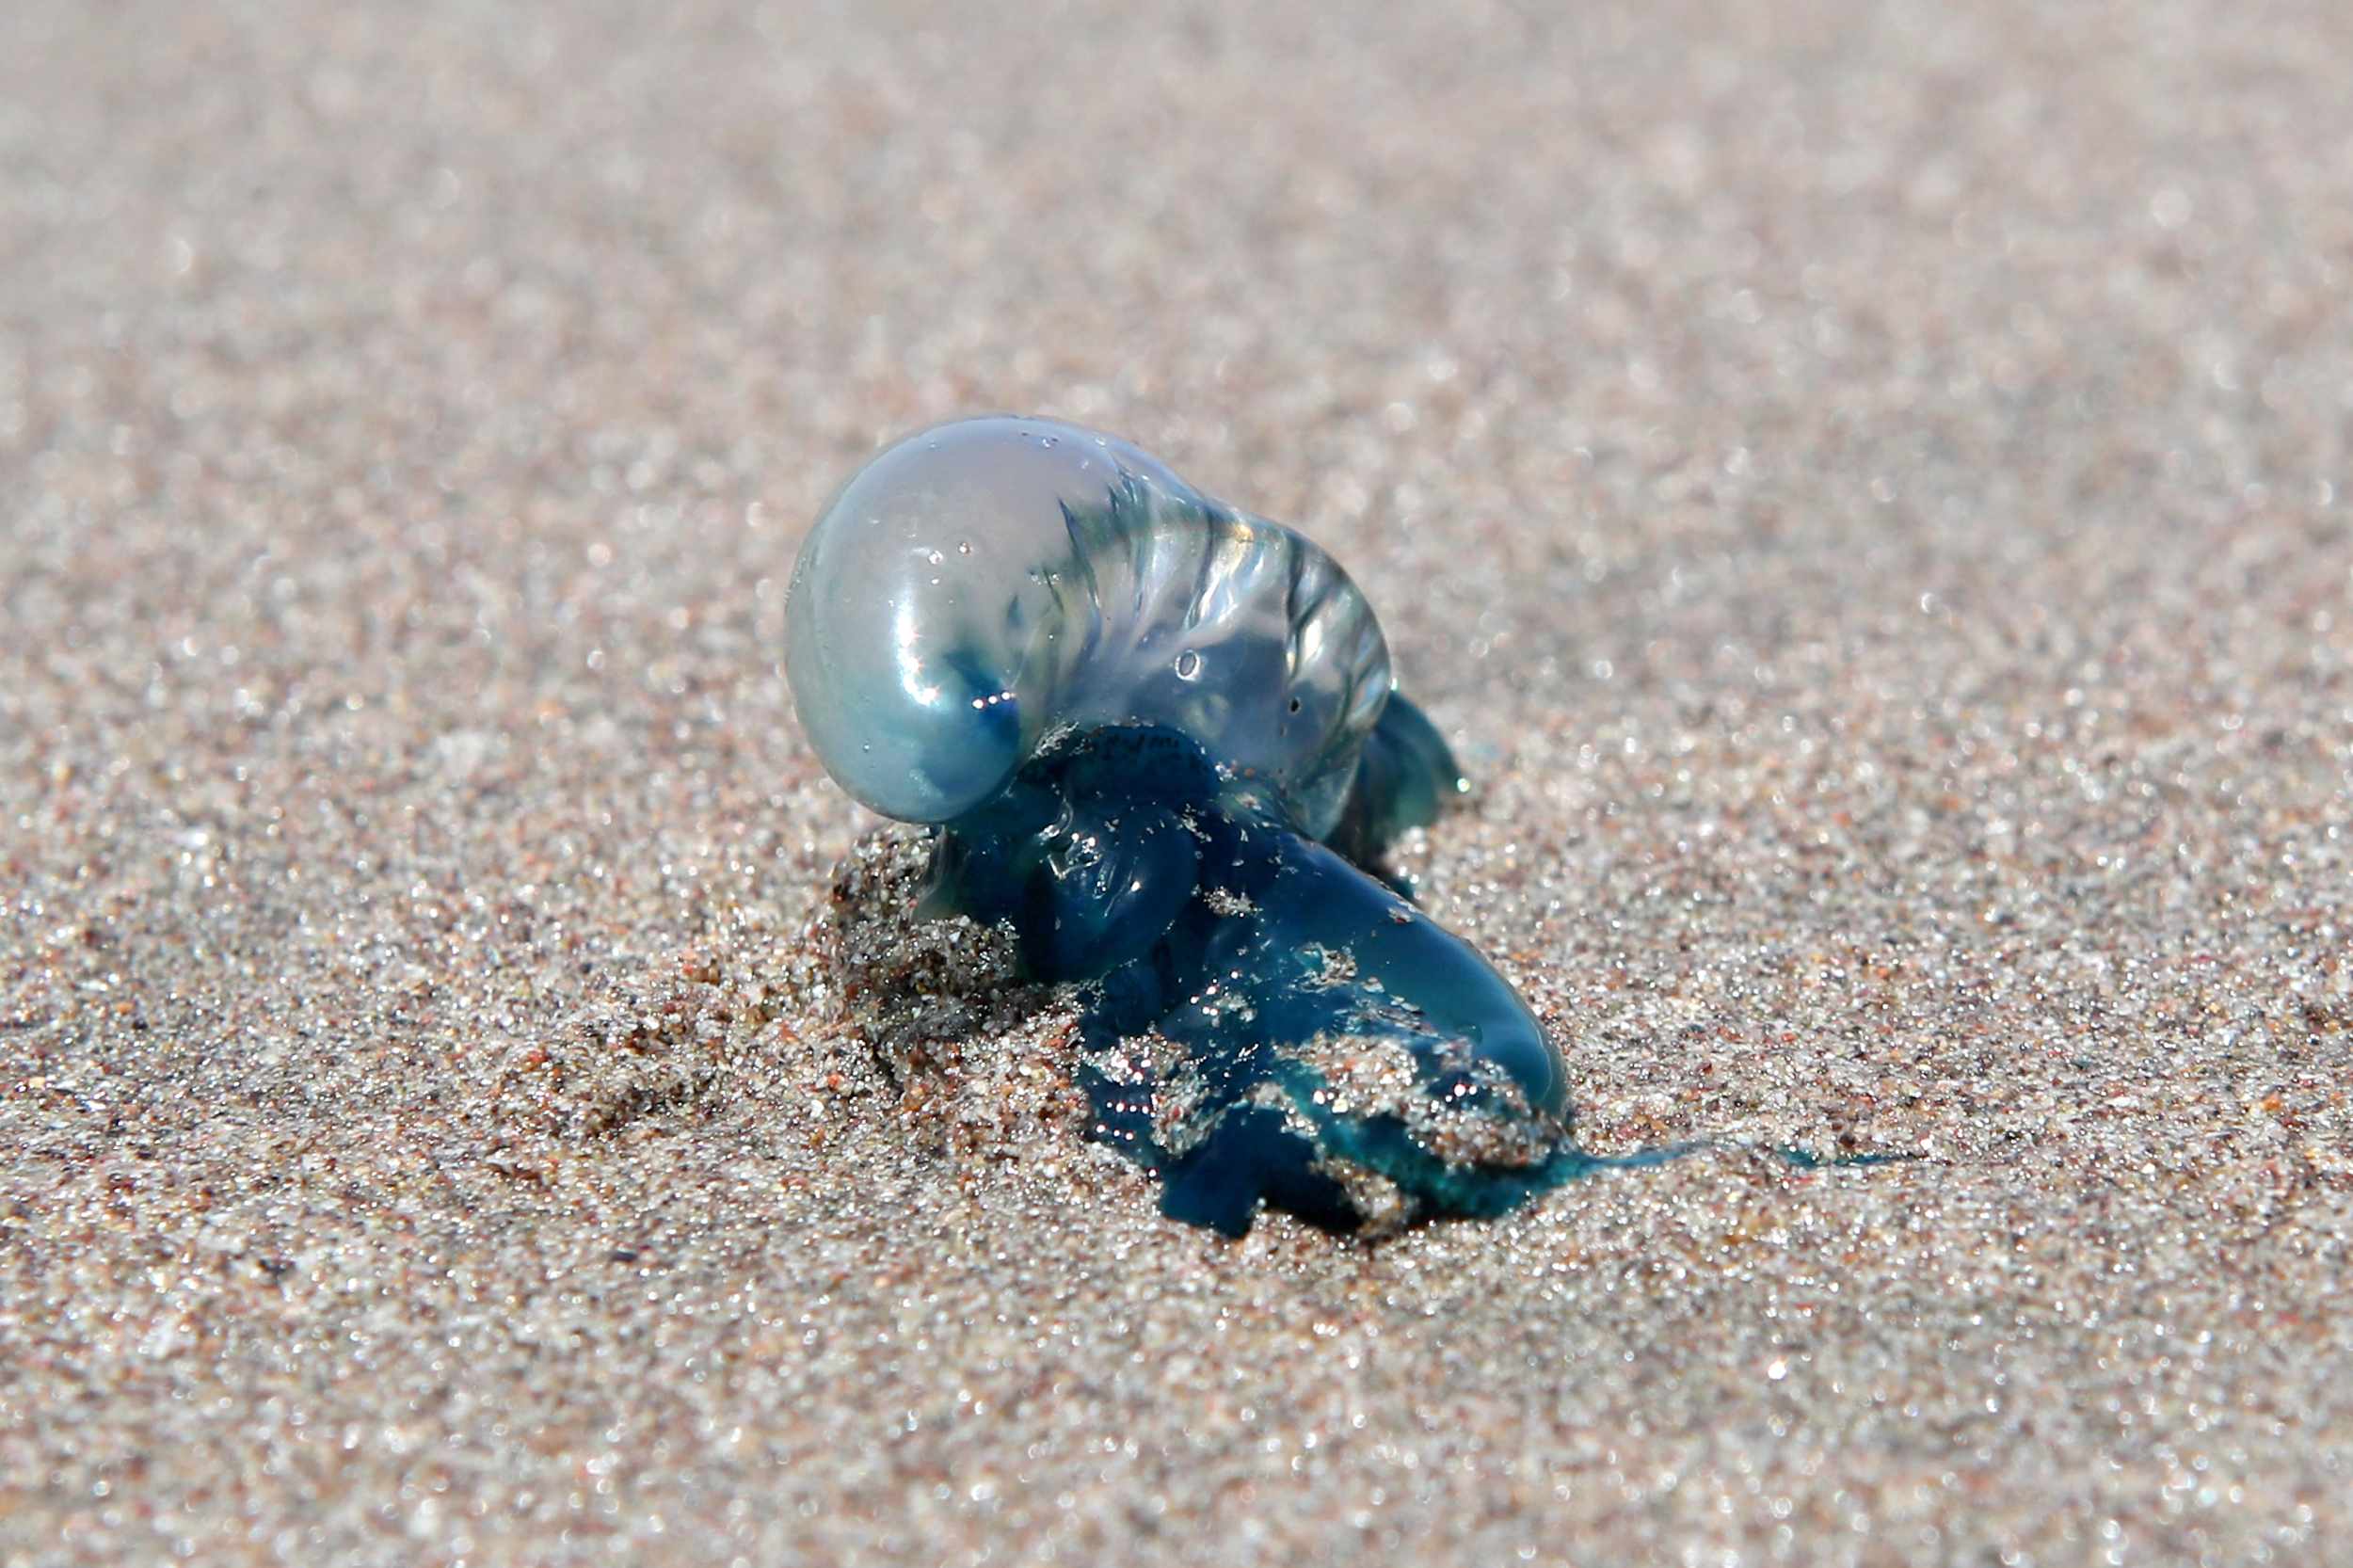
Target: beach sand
[1864, 488]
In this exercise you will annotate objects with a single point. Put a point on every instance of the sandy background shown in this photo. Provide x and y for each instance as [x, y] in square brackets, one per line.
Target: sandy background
[1864, 486]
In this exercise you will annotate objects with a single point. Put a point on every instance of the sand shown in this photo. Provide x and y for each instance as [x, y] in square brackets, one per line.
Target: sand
[1865, 487]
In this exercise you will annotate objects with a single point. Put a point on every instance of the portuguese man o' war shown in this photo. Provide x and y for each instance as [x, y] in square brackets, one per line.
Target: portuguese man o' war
[1157, 739]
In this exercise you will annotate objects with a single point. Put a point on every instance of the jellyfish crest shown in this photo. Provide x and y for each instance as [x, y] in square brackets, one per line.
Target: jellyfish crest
[980, 585]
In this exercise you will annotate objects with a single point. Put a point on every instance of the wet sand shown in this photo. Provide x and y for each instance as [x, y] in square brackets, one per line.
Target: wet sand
[1864, 488]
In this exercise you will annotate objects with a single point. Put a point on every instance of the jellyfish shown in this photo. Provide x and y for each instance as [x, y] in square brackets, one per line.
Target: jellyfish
[1159, 738]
